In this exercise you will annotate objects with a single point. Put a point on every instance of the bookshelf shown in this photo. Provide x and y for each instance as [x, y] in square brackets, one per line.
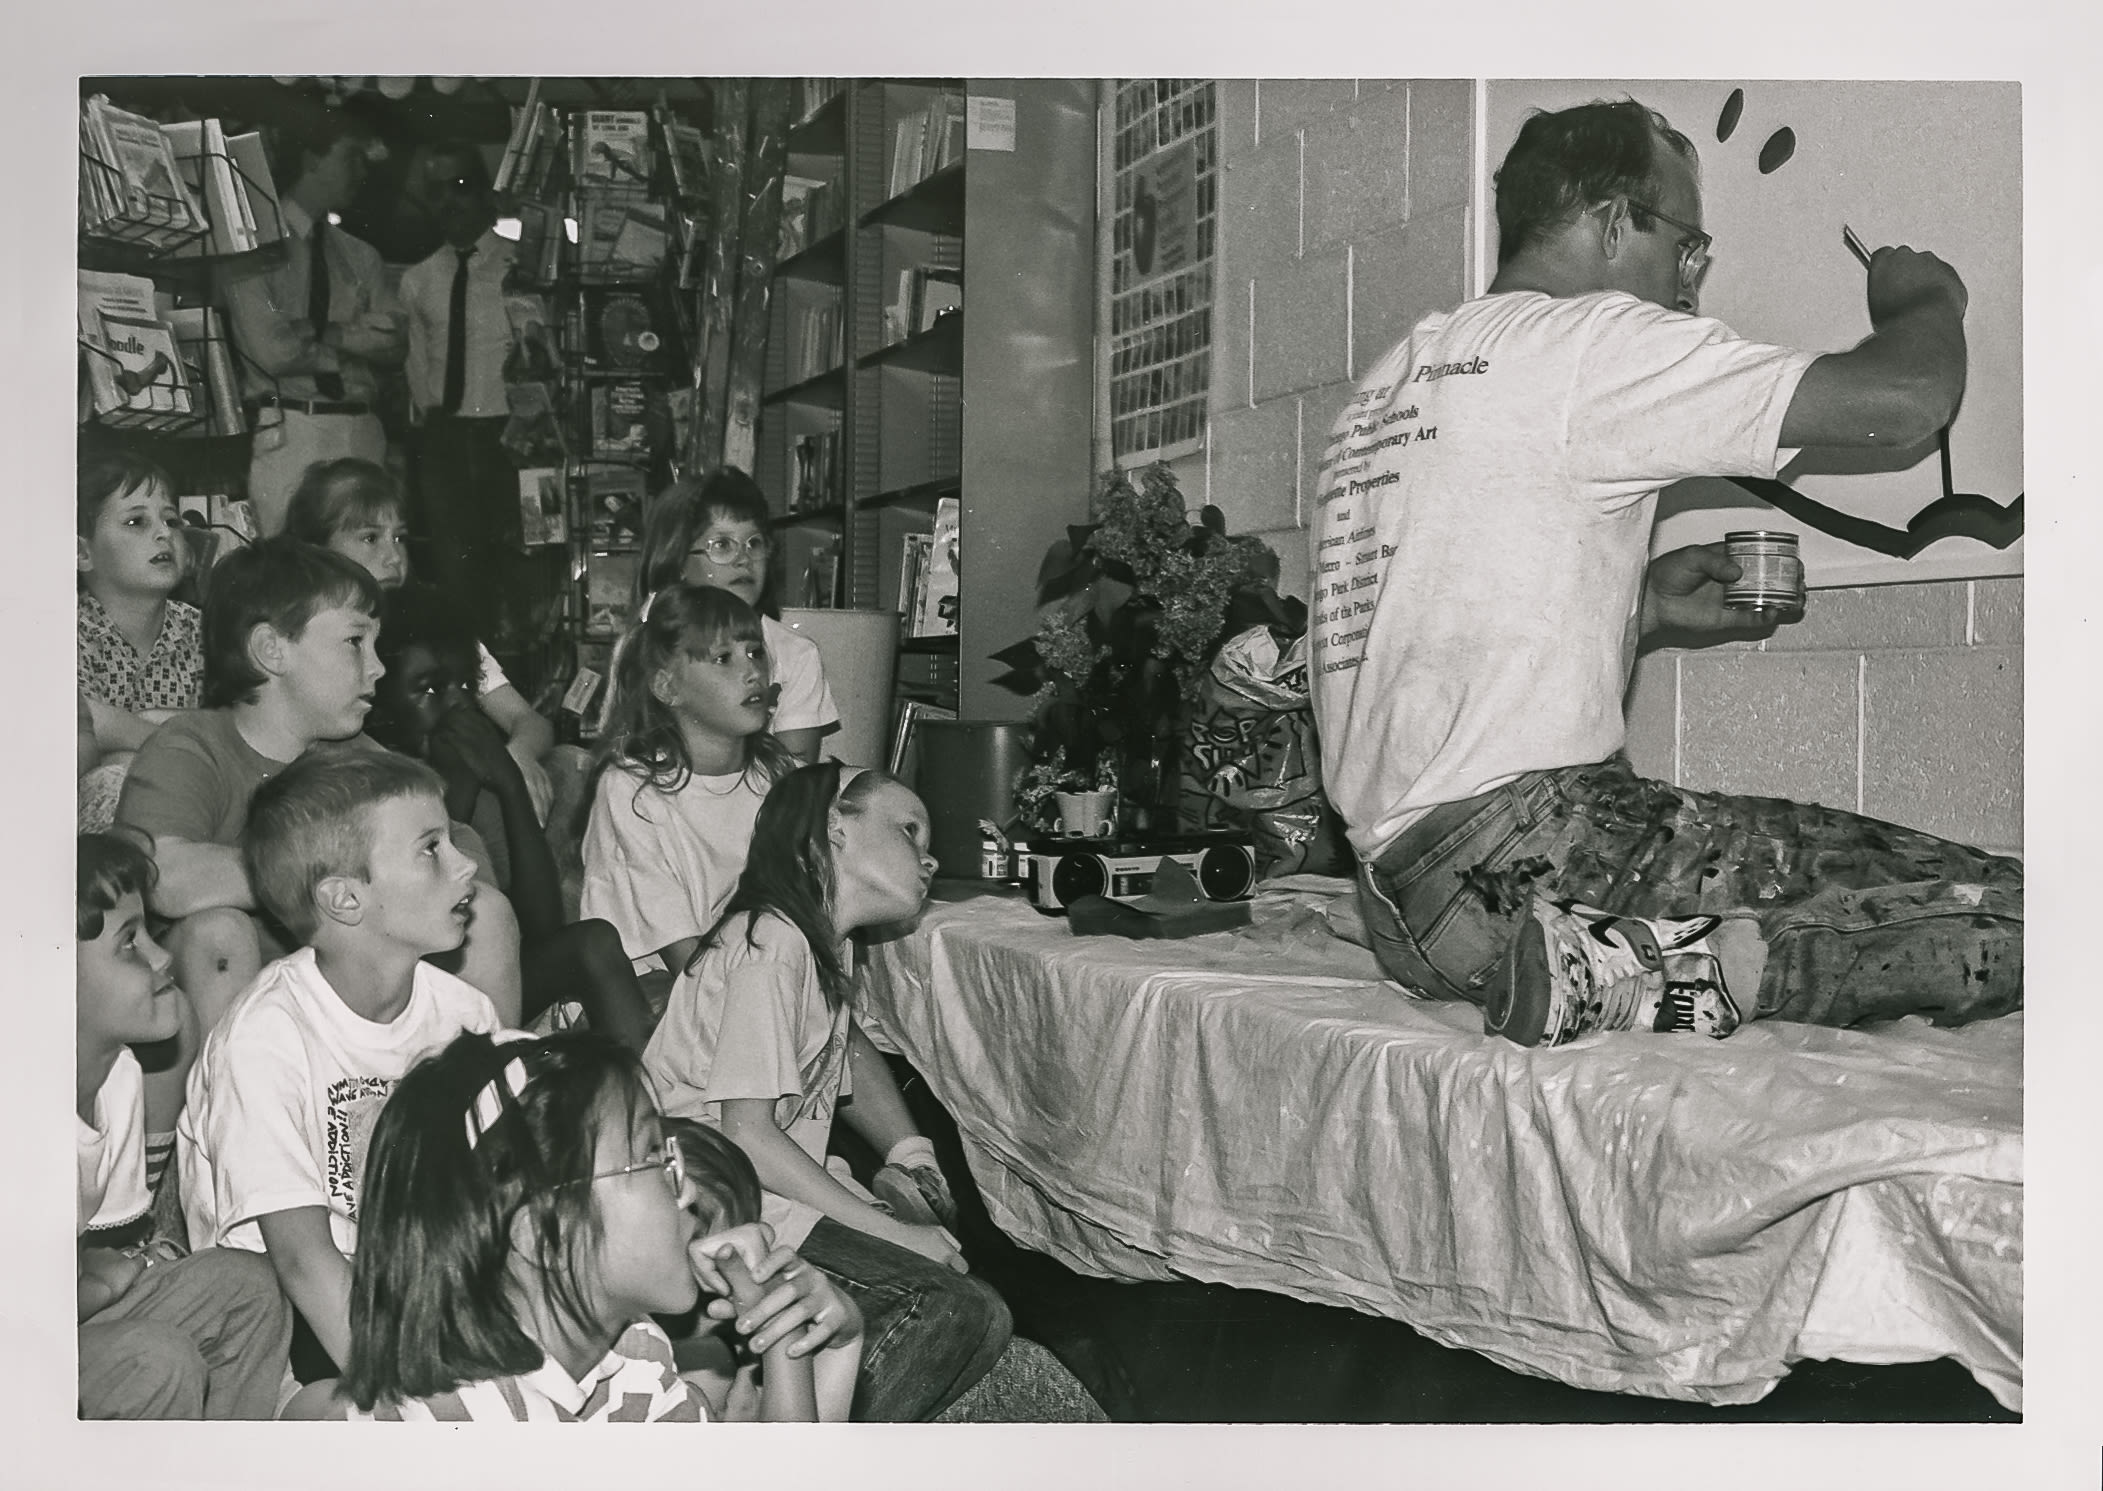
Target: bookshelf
[889, 191]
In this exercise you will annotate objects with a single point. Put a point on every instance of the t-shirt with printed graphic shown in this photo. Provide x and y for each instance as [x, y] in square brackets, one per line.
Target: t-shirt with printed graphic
[282, 1100]
[1486, 500]
[750, 1021]
[635, 1383]
[171, 674]
[111, 1151]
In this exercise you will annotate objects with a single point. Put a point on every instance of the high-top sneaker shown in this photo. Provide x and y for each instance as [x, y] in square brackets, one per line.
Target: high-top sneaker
[1573, 969]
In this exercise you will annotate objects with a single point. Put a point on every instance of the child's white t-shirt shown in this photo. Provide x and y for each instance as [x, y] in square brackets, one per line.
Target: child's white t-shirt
[282, 1100]
[806, 698]
[751, 1022]
[1485, 513]
[112, 1150]
[660, 865]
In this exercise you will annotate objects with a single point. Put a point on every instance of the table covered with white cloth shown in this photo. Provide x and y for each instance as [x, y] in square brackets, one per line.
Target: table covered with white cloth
[1658, 1214]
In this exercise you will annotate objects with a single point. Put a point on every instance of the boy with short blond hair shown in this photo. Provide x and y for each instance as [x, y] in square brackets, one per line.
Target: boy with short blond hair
[351, 851]
[161, 1335]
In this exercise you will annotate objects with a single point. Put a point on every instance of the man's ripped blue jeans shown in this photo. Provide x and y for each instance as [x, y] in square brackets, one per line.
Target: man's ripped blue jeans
[1863, 920]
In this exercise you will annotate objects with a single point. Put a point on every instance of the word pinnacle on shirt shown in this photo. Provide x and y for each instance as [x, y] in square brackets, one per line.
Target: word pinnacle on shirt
[1431, 372]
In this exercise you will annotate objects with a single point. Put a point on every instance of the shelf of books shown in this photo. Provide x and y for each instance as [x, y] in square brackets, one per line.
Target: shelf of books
[159, 204]
[611, 203]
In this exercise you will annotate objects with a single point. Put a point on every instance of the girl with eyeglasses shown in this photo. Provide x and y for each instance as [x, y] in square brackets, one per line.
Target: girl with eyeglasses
[712, 530]
[687, 760]
[525, 1215]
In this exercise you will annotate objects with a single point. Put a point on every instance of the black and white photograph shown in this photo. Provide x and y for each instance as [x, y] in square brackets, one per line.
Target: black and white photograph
[1326, 773]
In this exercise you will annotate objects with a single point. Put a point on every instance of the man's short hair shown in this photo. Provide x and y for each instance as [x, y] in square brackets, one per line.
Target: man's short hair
[311, 131]
[1572, 160]
[473, 164]
[314, 819]
[280, 581]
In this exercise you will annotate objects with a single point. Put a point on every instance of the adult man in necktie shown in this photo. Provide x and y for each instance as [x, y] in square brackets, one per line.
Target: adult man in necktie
[466, 484]
[314, 325]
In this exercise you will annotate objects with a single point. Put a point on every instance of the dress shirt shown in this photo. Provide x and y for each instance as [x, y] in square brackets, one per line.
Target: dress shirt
[427, 292]
[267, 301]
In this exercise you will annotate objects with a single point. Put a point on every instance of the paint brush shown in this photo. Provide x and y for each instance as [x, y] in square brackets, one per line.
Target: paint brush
[1854, 244]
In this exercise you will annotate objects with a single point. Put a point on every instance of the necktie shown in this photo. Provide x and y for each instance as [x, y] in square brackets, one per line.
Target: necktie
[328, 385]
[456, 337]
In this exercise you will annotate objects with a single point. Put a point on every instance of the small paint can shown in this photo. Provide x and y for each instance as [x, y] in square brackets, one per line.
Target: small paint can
[1771, 574]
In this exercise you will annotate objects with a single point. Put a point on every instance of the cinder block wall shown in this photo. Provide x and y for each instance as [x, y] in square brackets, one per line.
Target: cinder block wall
[1343, 219]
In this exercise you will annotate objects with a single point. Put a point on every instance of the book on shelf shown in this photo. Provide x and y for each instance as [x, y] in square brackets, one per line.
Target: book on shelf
[541, 518]
[620, 234]
[612, 148]
[131, 179]
[919, 298]
[614, 505]
[132, 361]
[208, 362]
[207, 169]
[623, 330]
[686, 153]
[935, 600]
[810, 567]
[620, 418]
[817, 345]
[925, 140]
[251, 168]
[609, 591]
[913, 559]
[813, 94]
[810, 209]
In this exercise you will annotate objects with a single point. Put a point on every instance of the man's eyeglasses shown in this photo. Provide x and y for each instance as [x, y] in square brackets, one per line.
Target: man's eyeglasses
[721, 550]
[1693, 246]
[671, 1162]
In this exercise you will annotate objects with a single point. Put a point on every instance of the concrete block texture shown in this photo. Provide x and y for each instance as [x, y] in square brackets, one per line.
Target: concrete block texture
[1286, 104]
[1231, 349]
[1319, 408]
[1770, 725]
[1301, 326]
[1942, 746]
[1259, 208]
[1652, 708]
[1358, 169]
[1441, 143]
[1997, 611]
[1400, 275]
[1877, 617]
[1256, 465]
[1236, 101]
[1290, 545]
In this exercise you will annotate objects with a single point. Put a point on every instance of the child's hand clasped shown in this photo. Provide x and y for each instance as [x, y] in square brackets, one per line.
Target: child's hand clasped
[739, 1263]
[470, 741]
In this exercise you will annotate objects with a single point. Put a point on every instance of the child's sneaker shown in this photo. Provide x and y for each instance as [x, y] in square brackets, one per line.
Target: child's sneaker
[1573, 970]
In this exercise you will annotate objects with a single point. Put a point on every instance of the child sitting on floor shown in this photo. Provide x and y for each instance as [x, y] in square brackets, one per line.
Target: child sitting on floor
[713, 531]
[761, 1040]
[161, 1335]
[141, 653]
[351, 851]
[355, 507]
[688, 761]
[526, 1214]
[425, 709]
[289, 663]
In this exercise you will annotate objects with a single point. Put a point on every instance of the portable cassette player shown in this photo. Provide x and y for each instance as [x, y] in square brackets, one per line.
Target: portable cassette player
[1061, 872]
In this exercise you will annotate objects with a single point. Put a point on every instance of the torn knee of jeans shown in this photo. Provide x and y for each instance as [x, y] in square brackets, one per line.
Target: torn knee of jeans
[1506, 890]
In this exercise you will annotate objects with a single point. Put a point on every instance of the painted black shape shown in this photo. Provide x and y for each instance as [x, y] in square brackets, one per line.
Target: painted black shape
[1727, 121]
[1776, 152]
[1952, 515]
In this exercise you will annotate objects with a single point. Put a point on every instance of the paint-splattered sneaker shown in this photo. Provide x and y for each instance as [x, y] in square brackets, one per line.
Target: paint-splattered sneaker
[1573, 970]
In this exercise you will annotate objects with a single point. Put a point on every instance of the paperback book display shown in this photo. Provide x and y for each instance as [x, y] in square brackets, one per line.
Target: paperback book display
[620, 419]
[130, 184]
[614, 499]
[816, 342]
[609, 581]
[810, 210]
[133, 364]
[920, 298]
[612, 148]
[541, 520]
[230, 176]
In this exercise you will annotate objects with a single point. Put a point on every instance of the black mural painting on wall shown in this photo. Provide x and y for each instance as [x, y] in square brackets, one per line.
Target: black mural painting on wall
[1954, 514]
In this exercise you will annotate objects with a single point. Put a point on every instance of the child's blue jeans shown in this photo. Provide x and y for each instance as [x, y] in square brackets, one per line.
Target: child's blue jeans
[1863, 920]
[928, 1332]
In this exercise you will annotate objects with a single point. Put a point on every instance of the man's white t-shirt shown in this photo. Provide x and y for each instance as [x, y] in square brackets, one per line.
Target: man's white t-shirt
[806, 698]
[281, 1103]
[111, 1151]
[1485, 512]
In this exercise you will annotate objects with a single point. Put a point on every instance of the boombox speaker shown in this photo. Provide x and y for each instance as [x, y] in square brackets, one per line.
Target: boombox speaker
[1224, 866]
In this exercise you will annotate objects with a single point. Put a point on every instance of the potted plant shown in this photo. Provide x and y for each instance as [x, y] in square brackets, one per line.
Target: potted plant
[1133, 607]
